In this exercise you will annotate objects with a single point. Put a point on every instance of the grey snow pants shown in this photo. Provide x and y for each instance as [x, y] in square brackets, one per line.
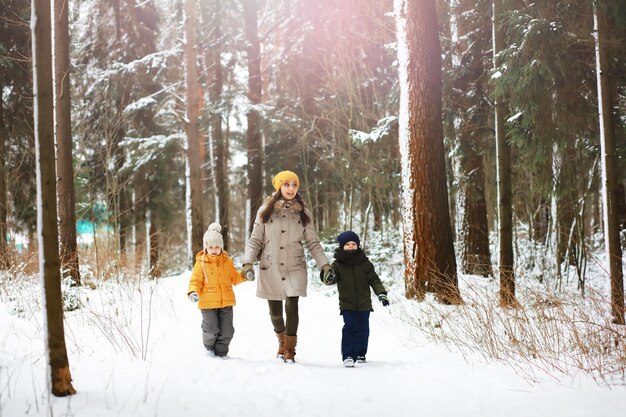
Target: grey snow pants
[217, 329]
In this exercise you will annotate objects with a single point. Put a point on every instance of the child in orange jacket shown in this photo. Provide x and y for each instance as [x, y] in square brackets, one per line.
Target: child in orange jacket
[211, 286]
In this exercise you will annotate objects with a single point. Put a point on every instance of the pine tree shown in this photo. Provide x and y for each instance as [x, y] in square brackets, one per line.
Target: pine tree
[49, 265]
[430, 263]
[63, 134]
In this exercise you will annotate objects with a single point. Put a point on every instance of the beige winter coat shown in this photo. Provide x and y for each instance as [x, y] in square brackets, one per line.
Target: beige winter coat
[280, 242]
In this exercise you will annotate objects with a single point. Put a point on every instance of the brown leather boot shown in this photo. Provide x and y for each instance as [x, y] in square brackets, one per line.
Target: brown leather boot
[281, 345]
[290, 348]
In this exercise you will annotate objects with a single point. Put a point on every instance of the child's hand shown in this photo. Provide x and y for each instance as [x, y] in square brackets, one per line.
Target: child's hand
[248, 272]
[193, 297]
[383, 299]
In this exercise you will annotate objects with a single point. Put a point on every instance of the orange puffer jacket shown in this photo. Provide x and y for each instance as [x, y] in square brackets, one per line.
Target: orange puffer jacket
[213, 278]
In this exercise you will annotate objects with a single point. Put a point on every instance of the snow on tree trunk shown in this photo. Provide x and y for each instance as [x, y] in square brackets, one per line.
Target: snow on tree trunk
[430, 263]
[253, 135]
[4, 135]
[192, 129]
[610, 204]
[63, 135]
[47, 232]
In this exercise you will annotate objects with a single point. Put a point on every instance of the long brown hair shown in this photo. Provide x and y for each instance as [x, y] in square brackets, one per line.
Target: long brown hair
[271, 202]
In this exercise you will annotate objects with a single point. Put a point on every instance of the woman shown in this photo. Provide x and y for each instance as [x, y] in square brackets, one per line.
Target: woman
[282, 224]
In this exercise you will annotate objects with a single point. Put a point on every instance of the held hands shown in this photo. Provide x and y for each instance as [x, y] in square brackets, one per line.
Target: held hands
[193, 297]
[248, 272]
[383, 299]
[328, 275]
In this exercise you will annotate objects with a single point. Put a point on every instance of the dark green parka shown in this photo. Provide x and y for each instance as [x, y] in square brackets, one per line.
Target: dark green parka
[355, 276]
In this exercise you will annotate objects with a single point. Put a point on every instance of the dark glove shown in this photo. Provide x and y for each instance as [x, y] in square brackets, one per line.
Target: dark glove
[328, 275]
[248, 272]
[193, 297]
[383, 299]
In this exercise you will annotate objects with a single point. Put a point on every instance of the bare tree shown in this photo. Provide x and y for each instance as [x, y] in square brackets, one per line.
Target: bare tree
[430, 263]
[194, 103]
[503, 158]
[610, 203]
[253, 135]
[63, 135]
[60, 378]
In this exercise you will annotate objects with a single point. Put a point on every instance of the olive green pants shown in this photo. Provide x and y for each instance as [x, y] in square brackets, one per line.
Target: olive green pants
[291, 313]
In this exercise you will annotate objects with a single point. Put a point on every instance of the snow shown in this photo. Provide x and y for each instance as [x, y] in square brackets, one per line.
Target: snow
[515, 117]
[135, 349]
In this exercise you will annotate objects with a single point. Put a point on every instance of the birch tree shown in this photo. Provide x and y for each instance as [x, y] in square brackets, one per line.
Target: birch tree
[47, 232]
[429, 259]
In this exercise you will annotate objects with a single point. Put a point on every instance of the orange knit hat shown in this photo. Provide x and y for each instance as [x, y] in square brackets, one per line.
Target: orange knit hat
[283, 176]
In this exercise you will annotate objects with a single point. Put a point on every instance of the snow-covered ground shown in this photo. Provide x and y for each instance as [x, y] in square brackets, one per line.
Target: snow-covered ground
[139, 353]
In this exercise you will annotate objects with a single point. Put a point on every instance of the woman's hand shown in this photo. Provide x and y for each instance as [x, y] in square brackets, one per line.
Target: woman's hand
[328, 275]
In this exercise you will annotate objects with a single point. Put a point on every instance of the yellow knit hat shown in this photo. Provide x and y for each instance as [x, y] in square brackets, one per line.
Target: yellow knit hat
[283, 176]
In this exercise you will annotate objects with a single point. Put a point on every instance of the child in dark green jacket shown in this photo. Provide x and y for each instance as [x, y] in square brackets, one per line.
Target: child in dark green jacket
[354, 275]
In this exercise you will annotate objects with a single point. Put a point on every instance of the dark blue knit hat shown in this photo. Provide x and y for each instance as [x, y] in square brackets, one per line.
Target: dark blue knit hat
[348, 236]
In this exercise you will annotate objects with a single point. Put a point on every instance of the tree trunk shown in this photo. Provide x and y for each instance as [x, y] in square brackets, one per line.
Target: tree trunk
[473, 230]
[566, 205]
[139, 222]
[192, 129]
[503, 158]
[63, 133]
[4, 137]
[430, 264]
[253, 135]
[155, 240]
[47, 232]
[610, 205]
[215, 80]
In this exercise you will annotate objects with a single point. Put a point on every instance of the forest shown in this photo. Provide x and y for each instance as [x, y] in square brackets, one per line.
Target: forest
[481, 138]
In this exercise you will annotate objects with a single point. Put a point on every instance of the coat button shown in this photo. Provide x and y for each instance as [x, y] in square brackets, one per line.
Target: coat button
[282, 247]
[281, 264]
[283, 278]
[282, 231]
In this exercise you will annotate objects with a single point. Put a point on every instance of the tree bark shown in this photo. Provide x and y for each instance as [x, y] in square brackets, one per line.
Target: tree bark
[470, 120]
[430, 263]
[610, 204]
[155, 239]
[503, 158]
[253, 134]
[473, 230]
[4, 137]
[49, 264]
[140, 207]
[192, 129]
[63, 134]
[215, 79]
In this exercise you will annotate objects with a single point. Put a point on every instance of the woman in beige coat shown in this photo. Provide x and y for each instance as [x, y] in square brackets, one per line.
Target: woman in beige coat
[282, 228]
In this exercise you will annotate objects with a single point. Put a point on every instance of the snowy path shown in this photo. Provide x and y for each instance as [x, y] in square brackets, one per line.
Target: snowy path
[406, 375]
